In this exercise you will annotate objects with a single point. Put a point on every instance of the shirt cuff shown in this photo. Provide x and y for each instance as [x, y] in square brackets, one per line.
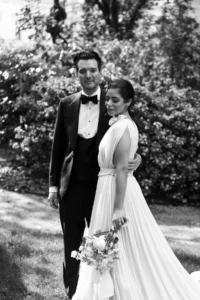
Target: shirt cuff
[53, 189]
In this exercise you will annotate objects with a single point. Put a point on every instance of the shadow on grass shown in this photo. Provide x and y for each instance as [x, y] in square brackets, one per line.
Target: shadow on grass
[29, 211]
[26, 260]
[191, 262]
[12, 284]
[169, 215]
[182, 239]
[10, 277]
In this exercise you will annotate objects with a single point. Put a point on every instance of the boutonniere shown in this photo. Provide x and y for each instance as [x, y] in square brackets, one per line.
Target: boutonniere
[113, 120]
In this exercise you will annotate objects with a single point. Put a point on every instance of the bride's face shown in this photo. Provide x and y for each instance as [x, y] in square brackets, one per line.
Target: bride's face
[115, 103]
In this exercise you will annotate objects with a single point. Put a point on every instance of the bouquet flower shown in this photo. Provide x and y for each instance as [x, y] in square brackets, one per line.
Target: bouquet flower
[99, 250]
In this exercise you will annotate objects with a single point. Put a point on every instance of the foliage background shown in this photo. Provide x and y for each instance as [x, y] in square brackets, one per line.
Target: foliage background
[160, 54]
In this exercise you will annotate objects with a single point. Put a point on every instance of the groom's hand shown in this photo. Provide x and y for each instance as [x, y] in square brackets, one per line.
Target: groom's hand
[53, 200]
[134, 164]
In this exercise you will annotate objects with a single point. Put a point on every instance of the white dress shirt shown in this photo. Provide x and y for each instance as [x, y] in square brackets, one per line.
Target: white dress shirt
[88, 121]
[89, 117]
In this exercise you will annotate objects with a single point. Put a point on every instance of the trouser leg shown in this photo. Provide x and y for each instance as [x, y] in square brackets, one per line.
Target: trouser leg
[75, 207]
[73, 234]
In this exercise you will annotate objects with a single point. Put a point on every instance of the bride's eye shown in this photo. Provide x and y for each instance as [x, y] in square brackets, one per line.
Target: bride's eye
[115, 100]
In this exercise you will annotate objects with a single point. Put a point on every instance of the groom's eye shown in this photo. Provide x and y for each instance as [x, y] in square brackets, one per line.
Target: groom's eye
[82, 71]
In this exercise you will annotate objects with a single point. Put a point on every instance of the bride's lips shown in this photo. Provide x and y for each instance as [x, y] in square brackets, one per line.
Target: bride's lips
[110, 111]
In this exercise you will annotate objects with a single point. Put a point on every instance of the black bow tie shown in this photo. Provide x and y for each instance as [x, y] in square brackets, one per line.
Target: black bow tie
[86, 99]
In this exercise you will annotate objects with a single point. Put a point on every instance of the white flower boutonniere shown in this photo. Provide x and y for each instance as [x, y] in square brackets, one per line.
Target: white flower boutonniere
[113, 120]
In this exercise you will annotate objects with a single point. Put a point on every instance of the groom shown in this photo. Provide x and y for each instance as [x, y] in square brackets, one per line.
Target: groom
[80, 125]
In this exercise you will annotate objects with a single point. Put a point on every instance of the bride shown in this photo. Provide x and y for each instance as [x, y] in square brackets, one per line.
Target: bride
[147, 268]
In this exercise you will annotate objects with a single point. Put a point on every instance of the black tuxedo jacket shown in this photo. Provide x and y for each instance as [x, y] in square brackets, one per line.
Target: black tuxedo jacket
[65, 137]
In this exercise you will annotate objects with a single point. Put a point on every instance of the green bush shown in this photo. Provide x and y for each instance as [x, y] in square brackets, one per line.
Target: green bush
[168, 119]
[169, 144]
[31, 89]
[33, 135]
[20, 69]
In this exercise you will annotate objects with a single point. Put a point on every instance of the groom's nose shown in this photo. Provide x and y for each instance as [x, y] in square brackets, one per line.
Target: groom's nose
[88, 74]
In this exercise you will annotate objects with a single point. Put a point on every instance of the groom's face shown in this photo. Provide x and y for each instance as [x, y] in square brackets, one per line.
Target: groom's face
[89, 75]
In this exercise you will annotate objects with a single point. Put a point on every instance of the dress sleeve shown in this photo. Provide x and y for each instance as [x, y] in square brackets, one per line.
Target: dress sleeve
[118, 131]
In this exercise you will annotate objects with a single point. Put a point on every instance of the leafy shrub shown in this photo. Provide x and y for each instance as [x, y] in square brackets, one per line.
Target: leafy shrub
[169, 145]
[33, 135]
[31, 87]
[168, 117]
[20, 69]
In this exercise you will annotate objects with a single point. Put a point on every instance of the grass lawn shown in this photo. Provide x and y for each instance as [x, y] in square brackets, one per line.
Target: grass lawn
[31, 246]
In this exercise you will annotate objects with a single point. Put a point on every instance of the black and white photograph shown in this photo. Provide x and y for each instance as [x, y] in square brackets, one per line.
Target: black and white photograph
[99, 150]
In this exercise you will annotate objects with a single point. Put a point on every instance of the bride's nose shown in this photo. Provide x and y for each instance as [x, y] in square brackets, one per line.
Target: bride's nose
[108, 103]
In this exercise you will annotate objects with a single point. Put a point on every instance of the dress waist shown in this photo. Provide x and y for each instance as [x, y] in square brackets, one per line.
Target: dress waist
[111, 172]
[106, 172]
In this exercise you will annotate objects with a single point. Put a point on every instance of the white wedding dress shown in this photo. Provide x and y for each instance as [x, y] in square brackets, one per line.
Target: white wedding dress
[147, 269]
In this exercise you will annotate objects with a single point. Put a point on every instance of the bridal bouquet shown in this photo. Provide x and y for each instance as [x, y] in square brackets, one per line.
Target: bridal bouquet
[99, 250]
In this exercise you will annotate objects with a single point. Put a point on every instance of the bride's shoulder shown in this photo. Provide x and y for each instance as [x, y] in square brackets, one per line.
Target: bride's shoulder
[121, 121]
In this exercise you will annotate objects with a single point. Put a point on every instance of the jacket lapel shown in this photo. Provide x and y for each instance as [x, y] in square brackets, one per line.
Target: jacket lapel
[103, 119]
[72, 118]
[102, 110]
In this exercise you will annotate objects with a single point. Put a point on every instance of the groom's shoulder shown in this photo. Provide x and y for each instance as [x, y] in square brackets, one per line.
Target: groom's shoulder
[71, 98]
[103, 92]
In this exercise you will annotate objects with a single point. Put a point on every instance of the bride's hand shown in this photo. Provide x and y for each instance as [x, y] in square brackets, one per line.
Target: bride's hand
[118, 219]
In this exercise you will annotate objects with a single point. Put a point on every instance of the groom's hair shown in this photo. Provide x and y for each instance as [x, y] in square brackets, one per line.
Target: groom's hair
[85, 55]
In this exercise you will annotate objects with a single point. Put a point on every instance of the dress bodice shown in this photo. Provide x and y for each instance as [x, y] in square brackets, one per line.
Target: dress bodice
[112, 137]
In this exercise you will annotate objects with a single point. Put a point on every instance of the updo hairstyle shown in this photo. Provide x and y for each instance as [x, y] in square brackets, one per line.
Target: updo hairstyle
[125, 89]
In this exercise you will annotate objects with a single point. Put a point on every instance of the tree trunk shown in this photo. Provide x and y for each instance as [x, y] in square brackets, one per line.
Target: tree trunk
[134, 16]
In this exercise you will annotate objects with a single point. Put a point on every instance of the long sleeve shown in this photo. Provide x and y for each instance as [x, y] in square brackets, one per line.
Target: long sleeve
[58, 148]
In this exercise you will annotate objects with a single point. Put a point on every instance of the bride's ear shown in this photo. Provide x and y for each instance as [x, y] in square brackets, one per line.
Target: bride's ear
[129, 103]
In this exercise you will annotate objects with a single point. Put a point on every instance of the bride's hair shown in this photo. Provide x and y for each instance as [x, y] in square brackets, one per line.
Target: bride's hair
[125, 89]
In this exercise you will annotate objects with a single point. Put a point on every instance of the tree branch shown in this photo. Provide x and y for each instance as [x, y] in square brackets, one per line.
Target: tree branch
[114, 15]
[139, 5]
[104, 7]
